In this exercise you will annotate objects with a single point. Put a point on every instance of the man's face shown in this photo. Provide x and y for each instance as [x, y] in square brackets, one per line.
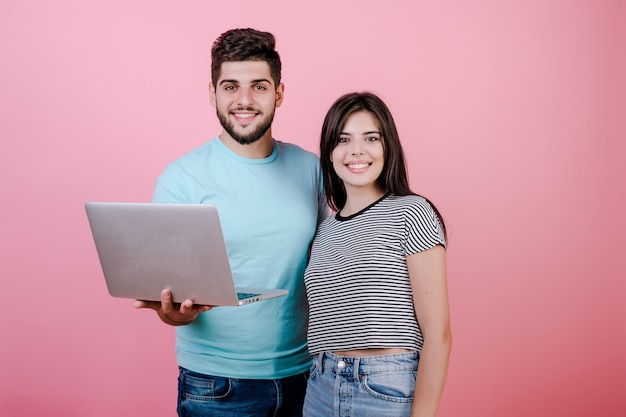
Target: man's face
[245, 98]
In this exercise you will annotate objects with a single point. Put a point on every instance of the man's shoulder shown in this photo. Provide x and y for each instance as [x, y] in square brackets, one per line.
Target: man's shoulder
[199, 152]
[295, 150]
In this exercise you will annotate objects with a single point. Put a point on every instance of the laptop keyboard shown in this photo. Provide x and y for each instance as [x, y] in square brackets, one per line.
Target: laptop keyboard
[242, 295]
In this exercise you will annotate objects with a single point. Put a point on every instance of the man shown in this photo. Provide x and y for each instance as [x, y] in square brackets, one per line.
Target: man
[250, 360]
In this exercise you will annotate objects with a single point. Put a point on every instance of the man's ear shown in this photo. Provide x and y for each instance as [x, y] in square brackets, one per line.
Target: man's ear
[280, 91]
[212, 95]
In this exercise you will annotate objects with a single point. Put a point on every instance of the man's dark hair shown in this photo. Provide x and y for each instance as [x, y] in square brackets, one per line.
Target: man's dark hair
[245, 45]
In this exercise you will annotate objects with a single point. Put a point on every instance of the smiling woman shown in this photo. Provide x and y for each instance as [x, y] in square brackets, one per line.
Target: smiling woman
[358, 159]
[393, 315]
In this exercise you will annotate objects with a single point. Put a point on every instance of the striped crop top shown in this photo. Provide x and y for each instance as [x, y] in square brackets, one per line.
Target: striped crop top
[357, 281]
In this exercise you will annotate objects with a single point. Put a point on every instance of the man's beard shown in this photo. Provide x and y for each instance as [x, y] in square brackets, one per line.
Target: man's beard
[248, 138]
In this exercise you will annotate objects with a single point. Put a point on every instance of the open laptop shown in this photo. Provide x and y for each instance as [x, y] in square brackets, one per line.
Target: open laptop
[146, 247]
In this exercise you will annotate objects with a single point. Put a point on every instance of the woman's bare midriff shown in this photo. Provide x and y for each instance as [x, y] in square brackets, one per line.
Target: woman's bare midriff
[369, 352]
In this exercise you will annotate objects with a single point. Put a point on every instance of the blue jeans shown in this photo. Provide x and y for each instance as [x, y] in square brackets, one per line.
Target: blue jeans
[361, 387]
[207, 395]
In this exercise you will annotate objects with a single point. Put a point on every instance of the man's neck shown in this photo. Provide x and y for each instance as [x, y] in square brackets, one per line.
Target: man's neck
[262, 148]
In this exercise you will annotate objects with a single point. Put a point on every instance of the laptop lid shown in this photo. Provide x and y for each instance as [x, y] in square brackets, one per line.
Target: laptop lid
[144, 248]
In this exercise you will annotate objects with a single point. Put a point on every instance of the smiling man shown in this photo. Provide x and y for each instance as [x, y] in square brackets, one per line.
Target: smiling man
[246, 98]
[250, 360]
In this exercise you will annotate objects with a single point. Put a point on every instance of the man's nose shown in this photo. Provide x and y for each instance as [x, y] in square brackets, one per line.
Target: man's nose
[245, 96]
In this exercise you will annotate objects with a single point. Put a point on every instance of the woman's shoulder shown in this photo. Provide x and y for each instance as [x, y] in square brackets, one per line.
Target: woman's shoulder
[410, 201]
[413, 206]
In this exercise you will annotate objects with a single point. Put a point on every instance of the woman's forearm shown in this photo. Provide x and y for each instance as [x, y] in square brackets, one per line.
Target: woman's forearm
[431, 375]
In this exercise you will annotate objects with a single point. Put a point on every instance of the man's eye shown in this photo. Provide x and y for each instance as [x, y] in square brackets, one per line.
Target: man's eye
[229, 88]
[260, 87]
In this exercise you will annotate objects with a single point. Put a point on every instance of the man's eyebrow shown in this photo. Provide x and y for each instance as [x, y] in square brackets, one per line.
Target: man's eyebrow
[260, 80]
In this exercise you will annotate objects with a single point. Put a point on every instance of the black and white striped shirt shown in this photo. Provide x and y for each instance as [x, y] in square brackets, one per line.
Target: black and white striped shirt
[357, 280]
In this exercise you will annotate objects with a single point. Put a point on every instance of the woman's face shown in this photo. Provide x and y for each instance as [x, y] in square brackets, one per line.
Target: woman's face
[358, 157]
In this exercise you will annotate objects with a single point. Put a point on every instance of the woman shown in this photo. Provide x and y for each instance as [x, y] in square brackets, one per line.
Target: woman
[376, 279]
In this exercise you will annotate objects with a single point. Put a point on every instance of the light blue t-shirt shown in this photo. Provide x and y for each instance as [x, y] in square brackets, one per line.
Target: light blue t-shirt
[269, 209]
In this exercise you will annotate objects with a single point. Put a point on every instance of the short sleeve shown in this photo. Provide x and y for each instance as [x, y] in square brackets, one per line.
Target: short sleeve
[422, 227]
[169, 187]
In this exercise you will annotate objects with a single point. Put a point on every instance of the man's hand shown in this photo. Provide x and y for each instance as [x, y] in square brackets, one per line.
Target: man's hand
[172, 313]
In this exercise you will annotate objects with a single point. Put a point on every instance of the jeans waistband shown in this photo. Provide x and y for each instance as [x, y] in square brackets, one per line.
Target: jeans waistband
[357, 366]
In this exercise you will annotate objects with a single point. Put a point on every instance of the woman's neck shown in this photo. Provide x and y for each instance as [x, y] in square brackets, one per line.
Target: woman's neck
[358, 199]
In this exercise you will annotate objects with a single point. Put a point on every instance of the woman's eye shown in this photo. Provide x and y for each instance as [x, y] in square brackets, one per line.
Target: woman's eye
[342, 140]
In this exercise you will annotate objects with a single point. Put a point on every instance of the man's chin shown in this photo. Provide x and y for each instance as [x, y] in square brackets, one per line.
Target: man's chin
[248, 138]
[250, 134]
[245, 141]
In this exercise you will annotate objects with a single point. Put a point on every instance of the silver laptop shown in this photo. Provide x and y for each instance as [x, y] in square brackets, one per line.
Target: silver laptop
[146, 247]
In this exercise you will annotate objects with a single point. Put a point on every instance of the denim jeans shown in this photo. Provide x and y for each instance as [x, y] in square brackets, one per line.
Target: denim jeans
[361, 387]
[207, 395]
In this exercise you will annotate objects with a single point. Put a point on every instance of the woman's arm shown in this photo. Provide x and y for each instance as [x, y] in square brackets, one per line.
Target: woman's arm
[427, 271]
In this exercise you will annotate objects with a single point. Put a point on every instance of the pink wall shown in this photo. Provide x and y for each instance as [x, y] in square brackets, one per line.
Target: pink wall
[512, 116]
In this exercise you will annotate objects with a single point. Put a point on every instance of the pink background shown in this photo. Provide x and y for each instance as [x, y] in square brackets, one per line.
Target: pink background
[512, 114]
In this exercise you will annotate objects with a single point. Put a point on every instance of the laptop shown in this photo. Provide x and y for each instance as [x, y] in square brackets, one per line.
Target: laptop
[144, 248]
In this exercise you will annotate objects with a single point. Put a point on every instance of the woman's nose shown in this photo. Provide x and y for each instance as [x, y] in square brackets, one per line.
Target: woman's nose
[357, 148]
